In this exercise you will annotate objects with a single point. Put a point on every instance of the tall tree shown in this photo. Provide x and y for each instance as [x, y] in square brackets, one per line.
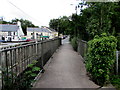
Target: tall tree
[24, 24]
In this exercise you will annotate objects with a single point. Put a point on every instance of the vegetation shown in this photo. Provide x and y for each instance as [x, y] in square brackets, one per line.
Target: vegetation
[97, 18]
[115, 80]
[23, 81]
[28, 76]
[74, 43]
[101, 58]
[61, 24]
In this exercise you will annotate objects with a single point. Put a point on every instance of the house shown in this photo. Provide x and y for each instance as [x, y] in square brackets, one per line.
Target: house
[53, 34]
[37, 33]
[45, 32]
[11, 32]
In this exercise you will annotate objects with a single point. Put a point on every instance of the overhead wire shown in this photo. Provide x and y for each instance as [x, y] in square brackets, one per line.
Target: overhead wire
[23, 11]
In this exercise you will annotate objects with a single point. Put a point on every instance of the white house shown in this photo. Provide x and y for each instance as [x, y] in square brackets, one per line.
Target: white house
[11, 32]
[37, 33]
[53, 34]
[45, 32]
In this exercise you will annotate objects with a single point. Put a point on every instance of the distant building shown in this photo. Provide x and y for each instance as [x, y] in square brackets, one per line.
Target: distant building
[54, 33]
[37, 33]
[10, 32]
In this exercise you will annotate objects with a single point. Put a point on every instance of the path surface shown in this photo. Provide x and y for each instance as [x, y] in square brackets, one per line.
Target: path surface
[65, 70]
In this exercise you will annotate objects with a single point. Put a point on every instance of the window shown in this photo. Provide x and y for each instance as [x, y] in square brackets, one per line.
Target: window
[9, 33]
[14, 33]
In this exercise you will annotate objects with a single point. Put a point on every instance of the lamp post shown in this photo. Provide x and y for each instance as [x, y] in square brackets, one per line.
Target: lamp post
[75, 15]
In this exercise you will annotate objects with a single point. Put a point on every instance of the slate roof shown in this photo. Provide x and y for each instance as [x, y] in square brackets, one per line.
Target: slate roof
[38, 30]
[53, 30]
[8, 27]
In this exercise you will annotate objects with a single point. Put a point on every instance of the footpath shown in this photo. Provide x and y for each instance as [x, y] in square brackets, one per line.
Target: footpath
[65, 70]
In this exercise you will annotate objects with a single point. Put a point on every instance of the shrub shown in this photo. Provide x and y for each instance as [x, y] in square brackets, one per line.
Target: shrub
[74, 43]
[115, 80]
[101, 57]
[21, 81]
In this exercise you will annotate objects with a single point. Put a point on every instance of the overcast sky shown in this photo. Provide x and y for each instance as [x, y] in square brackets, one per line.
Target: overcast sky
[38, 11]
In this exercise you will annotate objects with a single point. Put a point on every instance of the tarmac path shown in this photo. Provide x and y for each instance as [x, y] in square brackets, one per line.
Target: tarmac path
[65, 70]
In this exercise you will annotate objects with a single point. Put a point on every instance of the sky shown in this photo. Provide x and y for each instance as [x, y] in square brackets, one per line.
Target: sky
[38, 11]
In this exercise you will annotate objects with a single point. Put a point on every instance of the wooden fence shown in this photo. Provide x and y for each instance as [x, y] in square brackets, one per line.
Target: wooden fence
[82, 48]
[15, 59]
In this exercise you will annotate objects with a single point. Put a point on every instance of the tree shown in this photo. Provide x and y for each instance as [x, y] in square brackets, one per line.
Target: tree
[24, 24]
[61, 24]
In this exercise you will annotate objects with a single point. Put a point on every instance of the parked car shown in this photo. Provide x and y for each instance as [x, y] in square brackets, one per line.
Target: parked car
[65, 36]
[27, 40]
[2, 41]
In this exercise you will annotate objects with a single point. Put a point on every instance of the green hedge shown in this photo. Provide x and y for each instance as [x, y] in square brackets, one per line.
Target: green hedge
[74, 43]
[101, 58]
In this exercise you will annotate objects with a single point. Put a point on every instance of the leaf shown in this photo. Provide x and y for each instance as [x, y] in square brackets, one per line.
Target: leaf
[35, 69]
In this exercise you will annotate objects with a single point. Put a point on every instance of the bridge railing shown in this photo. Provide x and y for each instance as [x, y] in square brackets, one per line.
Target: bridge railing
[16, 59]
[82, 48]
[118, 62]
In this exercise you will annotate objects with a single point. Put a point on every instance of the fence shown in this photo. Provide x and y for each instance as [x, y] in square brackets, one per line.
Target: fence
[16, 59]
[82, 48]
[118, 62]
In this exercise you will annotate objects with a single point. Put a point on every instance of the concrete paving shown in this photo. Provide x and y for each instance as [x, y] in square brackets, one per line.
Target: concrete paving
[65, 70]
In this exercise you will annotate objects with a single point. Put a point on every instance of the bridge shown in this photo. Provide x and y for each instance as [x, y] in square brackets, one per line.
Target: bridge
[14, 60]
[64, 68]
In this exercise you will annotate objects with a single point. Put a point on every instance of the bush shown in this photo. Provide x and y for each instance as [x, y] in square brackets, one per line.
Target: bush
[115, 80]
[100, 58]
[74, 43]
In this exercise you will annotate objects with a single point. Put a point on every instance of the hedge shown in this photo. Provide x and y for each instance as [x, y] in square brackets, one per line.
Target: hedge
[101, 58]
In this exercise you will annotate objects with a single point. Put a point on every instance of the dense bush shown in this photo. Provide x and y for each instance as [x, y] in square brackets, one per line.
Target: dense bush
[74, 43]
[100, 58]
[115, 80]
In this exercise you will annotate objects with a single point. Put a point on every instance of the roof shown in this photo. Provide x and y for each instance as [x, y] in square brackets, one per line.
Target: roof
[38, 30]
[52, 30]
[8, 27]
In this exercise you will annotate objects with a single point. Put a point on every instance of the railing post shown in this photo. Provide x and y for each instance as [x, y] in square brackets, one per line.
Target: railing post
[42, 53]
[117, 62]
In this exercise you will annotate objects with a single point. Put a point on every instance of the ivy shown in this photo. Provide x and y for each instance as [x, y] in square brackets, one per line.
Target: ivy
[101, 58]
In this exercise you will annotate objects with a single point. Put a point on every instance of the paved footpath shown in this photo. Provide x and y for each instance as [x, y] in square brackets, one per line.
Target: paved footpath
[65, 70]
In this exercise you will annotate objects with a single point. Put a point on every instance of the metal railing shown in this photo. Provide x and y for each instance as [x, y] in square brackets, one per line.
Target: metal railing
[16, 59]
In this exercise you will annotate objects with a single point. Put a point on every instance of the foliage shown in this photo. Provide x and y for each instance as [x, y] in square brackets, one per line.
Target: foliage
[101, 57]
[28, 76]
[61, 24]
[101, 20]
[74, 43]
[115, 80]
[7, 77]
[23, 81]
